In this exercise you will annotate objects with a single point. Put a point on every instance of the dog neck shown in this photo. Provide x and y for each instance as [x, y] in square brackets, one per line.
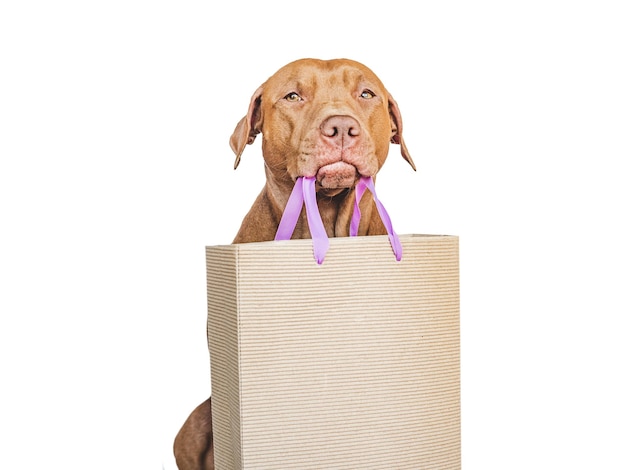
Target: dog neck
[336, 209]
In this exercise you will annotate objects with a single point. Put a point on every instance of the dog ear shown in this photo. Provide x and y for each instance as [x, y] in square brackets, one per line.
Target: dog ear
[396, 137]
[248, 128]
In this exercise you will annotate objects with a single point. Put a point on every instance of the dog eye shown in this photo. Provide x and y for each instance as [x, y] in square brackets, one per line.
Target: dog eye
[293, 97]
[367, 94]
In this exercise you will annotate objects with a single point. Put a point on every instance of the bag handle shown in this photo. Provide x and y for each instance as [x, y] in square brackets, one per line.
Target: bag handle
[304, 193]
[368, 183]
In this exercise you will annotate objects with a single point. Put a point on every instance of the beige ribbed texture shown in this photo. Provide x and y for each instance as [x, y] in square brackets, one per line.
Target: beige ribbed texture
[352, 364]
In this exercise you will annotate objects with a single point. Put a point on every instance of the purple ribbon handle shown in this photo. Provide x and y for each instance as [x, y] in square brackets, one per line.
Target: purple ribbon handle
[304, 193]
[364, 183]
[291, 214]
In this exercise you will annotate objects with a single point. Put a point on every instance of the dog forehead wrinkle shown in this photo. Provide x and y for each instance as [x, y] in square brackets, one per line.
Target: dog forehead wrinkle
[313, 79]
[288, 80]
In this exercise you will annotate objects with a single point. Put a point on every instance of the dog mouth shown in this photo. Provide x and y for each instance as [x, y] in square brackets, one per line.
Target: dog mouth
[337, 176]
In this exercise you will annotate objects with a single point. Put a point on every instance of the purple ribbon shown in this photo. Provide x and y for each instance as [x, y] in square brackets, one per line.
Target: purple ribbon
[304, 193]
[368, 183]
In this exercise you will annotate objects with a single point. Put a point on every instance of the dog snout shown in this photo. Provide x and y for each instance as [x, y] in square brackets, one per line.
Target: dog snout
[343, 131]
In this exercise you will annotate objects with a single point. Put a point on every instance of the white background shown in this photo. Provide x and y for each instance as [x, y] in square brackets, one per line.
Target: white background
[116, 172]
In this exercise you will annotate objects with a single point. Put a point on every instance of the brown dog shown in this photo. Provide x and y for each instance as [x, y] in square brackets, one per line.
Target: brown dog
[329, 119]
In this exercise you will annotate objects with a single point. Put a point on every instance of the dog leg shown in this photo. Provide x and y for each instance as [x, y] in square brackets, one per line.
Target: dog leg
[193, 446]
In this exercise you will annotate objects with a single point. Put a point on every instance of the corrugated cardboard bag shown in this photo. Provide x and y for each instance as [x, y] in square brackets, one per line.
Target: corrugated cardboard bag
[349, 364]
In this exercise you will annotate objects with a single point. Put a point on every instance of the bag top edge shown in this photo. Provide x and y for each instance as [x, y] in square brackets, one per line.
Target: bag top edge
[334, 240]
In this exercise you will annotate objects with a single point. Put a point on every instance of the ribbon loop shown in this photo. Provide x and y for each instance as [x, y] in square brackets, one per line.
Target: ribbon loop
[368, 183]
[291, 214]
[304, 193]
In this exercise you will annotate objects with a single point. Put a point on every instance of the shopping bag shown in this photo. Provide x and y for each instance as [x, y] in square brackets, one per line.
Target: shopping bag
[348, 364]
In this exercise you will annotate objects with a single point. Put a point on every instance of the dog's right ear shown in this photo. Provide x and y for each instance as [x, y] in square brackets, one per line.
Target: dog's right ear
[248, 128]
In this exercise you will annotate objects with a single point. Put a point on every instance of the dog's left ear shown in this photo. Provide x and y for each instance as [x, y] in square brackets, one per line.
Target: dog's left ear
[396, 136]
[248, 128]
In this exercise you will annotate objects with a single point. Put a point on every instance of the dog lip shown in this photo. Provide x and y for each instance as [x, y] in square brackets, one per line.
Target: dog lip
[337, 175]
[328, 185]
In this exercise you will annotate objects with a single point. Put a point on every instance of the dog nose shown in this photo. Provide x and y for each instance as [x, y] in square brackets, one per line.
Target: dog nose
[341, 128]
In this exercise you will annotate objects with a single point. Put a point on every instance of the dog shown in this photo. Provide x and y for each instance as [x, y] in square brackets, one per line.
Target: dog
[328, 119]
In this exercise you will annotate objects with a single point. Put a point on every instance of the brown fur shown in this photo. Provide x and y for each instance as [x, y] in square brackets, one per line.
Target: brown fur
[332, 120]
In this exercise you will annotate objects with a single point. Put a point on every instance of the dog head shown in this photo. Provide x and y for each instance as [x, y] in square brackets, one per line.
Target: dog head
[332, 120]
